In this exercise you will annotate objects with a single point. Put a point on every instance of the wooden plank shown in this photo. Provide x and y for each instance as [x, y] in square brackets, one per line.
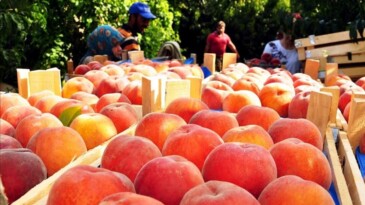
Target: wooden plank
[331, 70]
[353, 72]
[152, 94]
[311, 68]
[338, 176]
[136, 56]
[333, 50]
[49, 79]
[344, 59]
[176, 89]
[319, 109]
[209, 61]
[335, 91]
[324, 39]
[228, 59]
[356, 122]
[195, 87]
[23, 82]
[351, 170]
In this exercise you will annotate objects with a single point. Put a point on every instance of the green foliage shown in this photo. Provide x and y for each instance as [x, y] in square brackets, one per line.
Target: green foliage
[39, 34]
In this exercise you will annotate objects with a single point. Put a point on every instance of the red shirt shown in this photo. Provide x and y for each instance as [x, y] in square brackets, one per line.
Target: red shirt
[218, 43]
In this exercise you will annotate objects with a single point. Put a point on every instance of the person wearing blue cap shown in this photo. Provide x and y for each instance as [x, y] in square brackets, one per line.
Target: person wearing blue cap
[110, 41]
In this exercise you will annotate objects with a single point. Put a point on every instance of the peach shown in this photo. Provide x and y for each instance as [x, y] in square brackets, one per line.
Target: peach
[223, 78]
[217, 193]
[127, 154]
[57, 147]
[260, 71]
[8, 100]
[20, 170]
[305, 81]
[345, 98]
[291, 189]
[134, 92]
[300, 128]
[132, 76]
[88, 98]
[302, 88]
[47, 102]
[298, 107]
[277, 96]
[146, 70]
[6, 128]
[92, 186]
[30, 125]
[58, 108]
[297, 76]
[94, 128]
[111, 84]
[15, 114]
[81, 69]
[361, 82]
[122, 114]
[167, 178]
[213, 94]
[192, 142]
[35, 97]
[218, 121]
[249, 166]
[256, 115]
[96, 76]
[77, 84]
[253, 134]
[94, 65]
[185, 107]
[182, 71]
[157, 126]
[112, 69]
[247, 83]
[110, 98]
[8, 142]
[233, 72]
[130, 198]
[235, 100]
[279, 77]
[295, 157]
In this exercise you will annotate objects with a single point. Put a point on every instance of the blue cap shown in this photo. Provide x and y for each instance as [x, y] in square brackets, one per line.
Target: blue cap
[141, 9]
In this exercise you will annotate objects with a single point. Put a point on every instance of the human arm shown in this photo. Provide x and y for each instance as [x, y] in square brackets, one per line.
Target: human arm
[233, 48]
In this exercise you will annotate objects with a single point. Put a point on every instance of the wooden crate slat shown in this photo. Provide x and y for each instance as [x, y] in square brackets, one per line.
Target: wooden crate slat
[343, 59]
[356, 122]
[334, 50]
[351, 170]
[323, 39]
[335, 91]
[353, 72]
[338, 177]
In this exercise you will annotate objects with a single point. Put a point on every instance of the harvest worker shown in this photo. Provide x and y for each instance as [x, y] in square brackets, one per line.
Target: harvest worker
[110, 41]
[217, 43]
[284, 50]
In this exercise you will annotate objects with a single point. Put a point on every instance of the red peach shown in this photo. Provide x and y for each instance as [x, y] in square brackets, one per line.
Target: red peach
[167, 178]
[127, 154]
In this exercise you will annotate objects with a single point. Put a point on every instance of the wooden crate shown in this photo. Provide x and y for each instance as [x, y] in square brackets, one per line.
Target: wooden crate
[334, 48]
[348, 140]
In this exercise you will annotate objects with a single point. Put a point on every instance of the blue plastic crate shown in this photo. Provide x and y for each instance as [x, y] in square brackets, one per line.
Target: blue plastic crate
[361, 161]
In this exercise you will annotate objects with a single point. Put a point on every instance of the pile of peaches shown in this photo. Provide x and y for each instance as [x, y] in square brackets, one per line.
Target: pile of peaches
[246, 141]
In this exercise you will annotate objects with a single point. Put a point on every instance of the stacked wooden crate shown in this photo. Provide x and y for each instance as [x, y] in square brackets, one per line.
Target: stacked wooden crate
[333, 48]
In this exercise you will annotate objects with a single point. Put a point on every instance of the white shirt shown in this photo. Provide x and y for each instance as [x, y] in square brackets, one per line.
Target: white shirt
[287, 57]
